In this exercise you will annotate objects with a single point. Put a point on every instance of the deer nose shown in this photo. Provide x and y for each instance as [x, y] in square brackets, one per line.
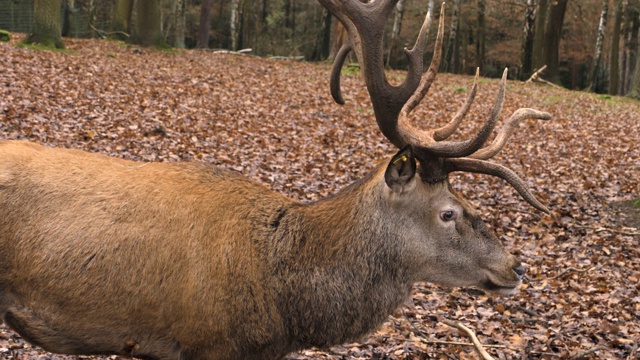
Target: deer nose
[519, 269]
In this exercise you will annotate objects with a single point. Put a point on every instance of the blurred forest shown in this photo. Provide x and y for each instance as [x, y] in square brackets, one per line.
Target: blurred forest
[586, 45]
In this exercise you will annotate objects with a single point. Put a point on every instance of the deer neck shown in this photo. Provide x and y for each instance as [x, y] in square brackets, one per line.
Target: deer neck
[343, 264]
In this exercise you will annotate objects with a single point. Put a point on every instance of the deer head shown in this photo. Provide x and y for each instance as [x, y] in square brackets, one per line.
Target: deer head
[461, 244]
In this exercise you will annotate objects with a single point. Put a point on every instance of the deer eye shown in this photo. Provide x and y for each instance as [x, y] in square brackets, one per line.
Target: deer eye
[448, 215]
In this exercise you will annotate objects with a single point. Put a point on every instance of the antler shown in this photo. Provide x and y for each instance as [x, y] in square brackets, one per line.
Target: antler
[392, 105]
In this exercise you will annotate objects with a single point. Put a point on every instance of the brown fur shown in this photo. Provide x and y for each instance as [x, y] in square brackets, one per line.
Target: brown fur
[100, 255]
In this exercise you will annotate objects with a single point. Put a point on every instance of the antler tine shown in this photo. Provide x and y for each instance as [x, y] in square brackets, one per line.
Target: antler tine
[507, 130]
[334, 82]
[446, 131]
[485, 167]
[416, 54]
[450, 149]
[428, 77]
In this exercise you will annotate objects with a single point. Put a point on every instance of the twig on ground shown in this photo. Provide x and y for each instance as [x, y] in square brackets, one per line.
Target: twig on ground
[584, 354]
[633, 353]
[239, 52]
[476, 343]
[536, 77]
[563, 272]
[294, 58]
[458, 343]
[104, 34]
[442, 342]
[619, 232]
[536, 73]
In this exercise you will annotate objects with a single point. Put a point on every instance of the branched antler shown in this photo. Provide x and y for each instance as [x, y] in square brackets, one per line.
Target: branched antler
[392, 105]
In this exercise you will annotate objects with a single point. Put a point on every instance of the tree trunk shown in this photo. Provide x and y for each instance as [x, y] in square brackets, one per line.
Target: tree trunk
[461, 67]
[234, 28]
[122, 19]
[179, 24]
[395, 31]
[539, 49]
[429, 11]
[527, 43]
[595, 68]
[323, 39]
[452, 43]
[614, 57]
[632, 27]
[46, 27]
[289, 20]
[203, 27]
[480, 41]
[553, 31]
[148, 24]
[67, 23]
[635, 83]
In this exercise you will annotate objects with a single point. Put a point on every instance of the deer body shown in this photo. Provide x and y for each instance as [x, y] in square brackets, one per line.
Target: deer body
[106, 256]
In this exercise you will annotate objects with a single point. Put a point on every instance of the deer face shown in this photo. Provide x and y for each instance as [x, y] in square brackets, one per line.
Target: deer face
[447, 241]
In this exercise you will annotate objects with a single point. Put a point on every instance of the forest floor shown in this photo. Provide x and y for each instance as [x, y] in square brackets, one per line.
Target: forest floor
[275, 122]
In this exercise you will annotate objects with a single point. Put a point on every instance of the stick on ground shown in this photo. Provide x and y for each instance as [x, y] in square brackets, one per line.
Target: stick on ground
[474, 339]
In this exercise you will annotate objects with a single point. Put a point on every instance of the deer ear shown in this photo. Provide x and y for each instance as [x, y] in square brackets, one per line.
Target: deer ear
[401, 169]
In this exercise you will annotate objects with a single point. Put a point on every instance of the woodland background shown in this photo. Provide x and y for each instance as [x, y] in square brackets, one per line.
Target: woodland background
[585, 45]
[273, 120]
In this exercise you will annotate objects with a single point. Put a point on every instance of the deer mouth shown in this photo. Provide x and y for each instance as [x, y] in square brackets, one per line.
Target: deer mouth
[502, 287]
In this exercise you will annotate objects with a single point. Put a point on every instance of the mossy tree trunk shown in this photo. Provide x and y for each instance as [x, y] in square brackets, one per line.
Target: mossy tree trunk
[179, 24]
[148, 27]
[46, 28]
[635, 82]
[122, 19]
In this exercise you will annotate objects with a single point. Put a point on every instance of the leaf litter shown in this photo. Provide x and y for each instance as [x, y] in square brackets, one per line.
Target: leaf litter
[275, 122]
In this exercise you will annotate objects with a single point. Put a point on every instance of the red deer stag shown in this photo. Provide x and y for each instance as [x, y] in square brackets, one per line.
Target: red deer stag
[172, 261]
